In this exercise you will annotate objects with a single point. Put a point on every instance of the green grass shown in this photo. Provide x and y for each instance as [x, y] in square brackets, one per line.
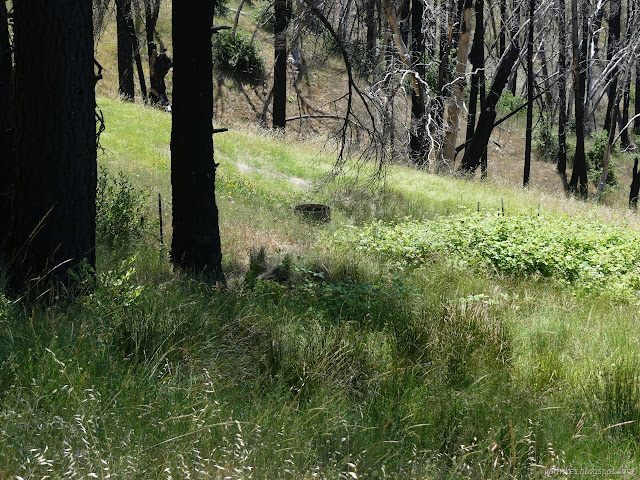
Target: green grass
[325, 361]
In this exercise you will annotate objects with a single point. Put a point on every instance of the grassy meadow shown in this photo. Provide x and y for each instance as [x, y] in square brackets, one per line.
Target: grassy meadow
[328, 355]
[423, 333]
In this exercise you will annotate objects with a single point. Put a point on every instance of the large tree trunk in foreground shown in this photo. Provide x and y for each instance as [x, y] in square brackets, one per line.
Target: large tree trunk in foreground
[474, 152]
[125, 51]
[7, 162]
[196, 235]
[54, 207]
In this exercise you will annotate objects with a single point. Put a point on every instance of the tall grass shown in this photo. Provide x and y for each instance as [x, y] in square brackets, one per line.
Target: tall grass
[321, 363]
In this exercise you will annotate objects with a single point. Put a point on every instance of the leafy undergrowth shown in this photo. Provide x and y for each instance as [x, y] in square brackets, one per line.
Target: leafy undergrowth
[587, 256]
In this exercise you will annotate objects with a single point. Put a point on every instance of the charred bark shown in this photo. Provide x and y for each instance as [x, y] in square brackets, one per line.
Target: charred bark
[7, 121]
[417, 139]
[615, 9]
[530, 86]
[455, 101]
[578, 182]
[54, 207]
[280, 64]
[474, 152]
[196, 236]
[561, 167]
[476, 57]
[125, 51]
[635, 186]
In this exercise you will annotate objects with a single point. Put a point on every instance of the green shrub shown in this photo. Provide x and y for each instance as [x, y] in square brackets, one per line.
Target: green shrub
[595, 161]
[545, 143]
[237, 57]
[586, 256]
[509, 102]
[119, 207]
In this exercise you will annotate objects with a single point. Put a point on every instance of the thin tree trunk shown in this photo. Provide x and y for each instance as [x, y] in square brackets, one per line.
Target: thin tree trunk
[635, 186]
[136, 56]
[125, 53]
[503, 27]
[417, 138]
[372, 31]
[625, 138]
[54, 207]
[196, 236]
[451, 130]
[7, 121]
[561, 167]
[280, 65]
[615, 7]
[529, 130]
[578, 180]
[476, 57]
[513, 81]
[636, 104]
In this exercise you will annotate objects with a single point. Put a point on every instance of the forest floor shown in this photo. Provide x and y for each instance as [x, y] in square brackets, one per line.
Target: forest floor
[409, 337]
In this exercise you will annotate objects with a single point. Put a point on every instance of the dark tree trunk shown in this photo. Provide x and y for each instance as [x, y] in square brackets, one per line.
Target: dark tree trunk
[513, 81]
[578, 180]
[417, 140]
[625, 138]
[151, 13]
[404, 14]
[372, 31]
[561, 168]
[503, 27]
[530, 73]
[7, 162]
[54, 207]
[280, 65]
[476, 57]
[125, 52]
[136, 56]
[615, 8]
[159, 66]
[196, 236]
[636, 104]
[635, 186]
[474, 152]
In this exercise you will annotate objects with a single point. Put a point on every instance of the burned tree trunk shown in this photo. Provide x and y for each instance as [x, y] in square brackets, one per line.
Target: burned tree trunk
[372, 31]
[578, 180]
[530, 73]
[7, 162]
[125, 52]
[196, 236]
[635, 186]
[280, 64]
[561, 167]
[451, 130]
[55, 188]
[417, 140]
[476, 57]
[474, 152]
[159, 66]
[615, 8]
